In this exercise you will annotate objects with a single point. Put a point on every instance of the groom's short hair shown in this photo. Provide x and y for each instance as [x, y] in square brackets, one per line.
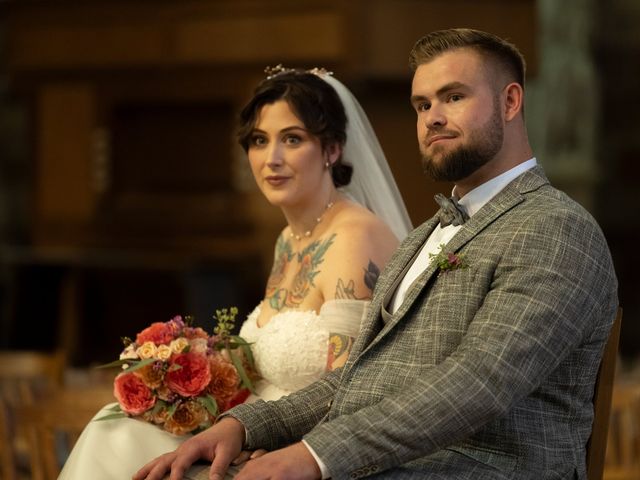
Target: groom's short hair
[503, 54]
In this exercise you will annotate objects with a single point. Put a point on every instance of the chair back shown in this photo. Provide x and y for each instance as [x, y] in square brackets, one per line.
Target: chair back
[622, 461]
[23, 376]
[53, 428]
[597, 445]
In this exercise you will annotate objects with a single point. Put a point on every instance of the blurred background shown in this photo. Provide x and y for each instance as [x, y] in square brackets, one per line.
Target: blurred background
[124, 198]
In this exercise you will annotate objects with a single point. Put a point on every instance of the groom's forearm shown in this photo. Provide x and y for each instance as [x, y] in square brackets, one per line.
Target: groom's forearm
[273, 425]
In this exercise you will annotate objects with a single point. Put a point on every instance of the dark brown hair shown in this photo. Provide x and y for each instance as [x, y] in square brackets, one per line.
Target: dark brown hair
[504, 54]
[313, 101]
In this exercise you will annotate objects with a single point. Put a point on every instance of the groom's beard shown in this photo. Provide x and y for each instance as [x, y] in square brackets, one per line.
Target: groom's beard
[484, 143]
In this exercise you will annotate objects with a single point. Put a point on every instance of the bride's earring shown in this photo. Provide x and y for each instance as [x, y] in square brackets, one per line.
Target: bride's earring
[327, 164]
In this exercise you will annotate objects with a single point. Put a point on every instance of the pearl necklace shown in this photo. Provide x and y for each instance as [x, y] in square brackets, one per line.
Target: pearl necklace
[308, 233]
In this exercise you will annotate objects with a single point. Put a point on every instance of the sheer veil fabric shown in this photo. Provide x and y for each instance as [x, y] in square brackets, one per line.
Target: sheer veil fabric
[372, 183]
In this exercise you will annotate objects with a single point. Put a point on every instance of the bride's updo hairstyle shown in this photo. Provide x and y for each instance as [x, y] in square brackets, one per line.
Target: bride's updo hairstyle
[313, 101]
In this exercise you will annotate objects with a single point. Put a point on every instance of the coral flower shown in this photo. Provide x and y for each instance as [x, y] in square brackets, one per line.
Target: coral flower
[188, 374]
[132, 394]
[158, 333]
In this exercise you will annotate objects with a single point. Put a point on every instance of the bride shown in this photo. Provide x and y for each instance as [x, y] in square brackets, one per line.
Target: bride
[313, 154]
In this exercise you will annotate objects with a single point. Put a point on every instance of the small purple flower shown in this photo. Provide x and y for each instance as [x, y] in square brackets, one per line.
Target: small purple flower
[157, 366]
[171, 397]
[447, 261]
[454, 260]
[177, 323]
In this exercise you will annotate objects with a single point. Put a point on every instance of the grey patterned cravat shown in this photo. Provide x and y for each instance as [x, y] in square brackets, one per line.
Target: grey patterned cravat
[451, 212]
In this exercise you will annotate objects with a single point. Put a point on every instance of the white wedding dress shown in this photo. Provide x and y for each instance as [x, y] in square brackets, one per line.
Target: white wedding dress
[290, 353]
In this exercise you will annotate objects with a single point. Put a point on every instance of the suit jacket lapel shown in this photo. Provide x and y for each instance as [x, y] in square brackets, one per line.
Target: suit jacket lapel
[389, 279]
[504, 201]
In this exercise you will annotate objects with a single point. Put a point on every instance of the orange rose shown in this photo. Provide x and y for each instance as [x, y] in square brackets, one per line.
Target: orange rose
[158, 417]
[186, 418]
[158, 333]
[192, 376]
[224, 381]
[151, 375]
[132, 394]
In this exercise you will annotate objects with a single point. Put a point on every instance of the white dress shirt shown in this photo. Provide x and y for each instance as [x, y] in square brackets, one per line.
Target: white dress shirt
[471, 202]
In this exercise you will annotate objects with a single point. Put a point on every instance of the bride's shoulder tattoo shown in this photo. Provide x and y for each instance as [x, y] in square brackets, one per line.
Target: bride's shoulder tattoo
[309, 260]
[283, 257]
[346, 290]
[371, 275]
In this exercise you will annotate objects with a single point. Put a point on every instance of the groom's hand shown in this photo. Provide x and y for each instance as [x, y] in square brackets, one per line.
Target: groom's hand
[291, 463]
[219, 444]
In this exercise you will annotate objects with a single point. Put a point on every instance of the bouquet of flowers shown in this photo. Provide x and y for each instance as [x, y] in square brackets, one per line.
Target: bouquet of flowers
[181, 378]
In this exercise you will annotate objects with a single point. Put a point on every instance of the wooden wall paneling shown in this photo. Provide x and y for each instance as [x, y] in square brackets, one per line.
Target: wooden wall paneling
[393, 27]
[288, 37]
[297, 36]
[63, 186]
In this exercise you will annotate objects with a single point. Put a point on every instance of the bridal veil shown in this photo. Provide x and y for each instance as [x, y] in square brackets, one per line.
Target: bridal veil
[372, 183]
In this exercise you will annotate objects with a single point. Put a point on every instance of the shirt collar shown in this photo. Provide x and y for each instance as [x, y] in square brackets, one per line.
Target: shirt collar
[479, 196]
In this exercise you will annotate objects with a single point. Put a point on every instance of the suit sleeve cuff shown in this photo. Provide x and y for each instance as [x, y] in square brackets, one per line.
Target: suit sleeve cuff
[324, 471]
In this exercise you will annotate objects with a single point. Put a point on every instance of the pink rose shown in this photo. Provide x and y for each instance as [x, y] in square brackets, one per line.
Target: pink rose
[192, 378]
[158, 333]
[132, 394]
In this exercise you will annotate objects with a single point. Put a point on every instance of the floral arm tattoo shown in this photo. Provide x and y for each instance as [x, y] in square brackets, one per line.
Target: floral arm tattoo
[339, 348]
[347, 290]
[339, 344]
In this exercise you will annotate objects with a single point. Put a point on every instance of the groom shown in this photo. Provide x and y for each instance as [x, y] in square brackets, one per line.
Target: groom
[479, 354]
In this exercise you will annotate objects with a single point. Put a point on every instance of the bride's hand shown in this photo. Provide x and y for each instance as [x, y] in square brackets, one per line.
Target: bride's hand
[258, 453]
[219, 444]
[248, 455]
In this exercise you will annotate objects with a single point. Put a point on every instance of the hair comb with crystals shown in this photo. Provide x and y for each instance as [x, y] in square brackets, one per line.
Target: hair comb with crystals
[279, 70]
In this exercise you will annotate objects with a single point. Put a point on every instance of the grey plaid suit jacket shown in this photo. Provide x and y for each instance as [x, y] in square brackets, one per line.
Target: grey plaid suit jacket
[485, 372]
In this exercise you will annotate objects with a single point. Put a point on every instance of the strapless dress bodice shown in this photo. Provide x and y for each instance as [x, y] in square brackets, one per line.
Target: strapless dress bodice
[291, 350]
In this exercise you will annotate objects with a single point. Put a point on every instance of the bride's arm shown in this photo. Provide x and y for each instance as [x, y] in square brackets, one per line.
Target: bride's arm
[351, 271]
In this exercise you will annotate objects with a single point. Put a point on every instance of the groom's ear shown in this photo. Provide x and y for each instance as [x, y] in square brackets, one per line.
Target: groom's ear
[513, 96]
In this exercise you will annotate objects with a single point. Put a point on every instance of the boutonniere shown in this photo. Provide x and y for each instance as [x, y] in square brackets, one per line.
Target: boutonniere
[448, 261]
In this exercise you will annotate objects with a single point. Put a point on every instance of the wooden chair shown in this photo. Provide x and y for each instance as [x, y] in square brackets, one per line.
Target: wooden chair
[23, 372]
[622, 460]
[54, 426]
[7, 460]
[597, 445]
[24, 375]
